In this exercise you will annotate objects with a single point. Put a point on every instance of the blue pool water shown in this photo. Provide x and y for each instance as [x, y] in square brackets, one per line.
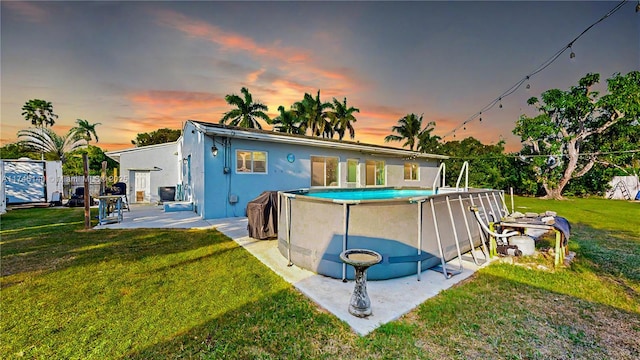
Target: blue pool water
[377, 194]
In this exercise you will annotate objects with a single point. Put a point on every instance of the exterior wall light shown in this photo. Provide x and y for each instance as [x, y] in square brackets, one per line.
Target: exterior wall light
[214, 150]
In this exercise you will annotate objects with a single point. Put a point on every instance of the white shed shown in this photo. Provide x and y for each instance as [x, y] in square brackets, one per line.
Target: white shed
[148, 169]
[26, 181]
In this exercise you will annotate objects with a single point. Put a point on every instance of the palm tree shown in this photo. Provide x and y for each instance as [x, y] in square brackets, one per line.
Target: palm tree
[45, 141]
[39, 112]
[342, 118]
[426, 142]
[408, 129]
[287, 122]
[247, 111]
[314, 115]
[85, 130]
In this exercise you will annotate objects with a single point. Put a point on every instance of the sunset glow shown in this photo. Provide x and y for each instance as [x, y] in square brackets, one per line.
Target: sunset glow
[140, 66]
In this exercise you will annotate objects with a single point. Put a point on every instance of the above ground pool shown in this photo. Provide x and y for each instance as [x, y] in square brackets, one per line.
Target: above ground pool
[413, 229]
[370, 194]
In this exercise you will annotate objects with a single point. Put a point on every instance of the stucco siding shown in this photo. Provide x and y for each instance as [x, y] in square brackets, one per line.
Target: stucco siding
[161, 163]
[288, 167]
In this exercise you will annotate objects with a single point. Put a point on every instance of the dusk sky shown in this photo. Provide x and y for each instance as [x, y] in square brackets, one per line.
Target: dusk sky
[139, 66]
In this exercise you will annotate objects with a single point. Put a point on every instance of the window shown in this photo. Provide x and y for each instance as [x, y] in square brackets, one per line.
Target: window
[375, 172]
[251, 161]
[324, 171]
[411, 171]
[352, 171]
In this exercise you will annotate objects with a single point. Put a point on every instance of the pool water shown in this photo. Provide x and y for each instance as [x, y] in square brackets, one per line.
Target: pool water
[376, 194]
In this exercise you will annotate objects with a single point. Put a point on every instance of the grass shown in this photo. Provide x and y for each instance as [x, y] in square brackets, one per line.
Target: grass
[70, 293]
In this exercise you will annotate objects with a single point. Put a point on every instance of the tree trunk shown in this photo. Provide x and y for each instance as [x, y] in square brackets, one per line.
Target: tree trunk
[555, 194]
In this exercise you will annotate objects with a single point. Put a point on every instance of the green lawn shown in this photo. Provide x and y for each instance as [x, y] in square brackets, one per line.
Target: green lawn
[70, 293]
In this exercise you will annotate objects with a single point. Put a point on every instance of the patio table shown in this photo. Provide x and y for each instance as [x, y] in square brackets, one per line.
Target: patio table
[109, 209]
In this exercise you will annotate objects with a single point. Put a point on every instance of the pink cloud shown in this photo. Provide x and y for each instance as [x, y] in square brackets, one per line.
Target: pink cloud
[227, 40]
[155, 109]
[29, 10]
[293, 62]
[177, 100]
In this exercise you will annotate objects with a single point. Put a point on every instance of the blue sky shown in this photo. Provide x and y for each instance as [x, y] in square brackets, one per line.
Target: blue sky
[139, 66]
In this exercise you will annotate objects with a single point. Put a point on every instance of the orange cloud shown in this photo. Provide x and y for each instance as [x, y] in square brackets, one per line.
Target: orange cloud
[227, 40]
[174, 101]
[253, 76]
[295, 63]
[155, 109]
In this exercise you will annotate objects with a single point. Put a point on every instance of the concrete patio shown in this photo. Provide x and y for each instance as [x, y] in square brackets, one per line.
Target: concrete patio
[390, 299]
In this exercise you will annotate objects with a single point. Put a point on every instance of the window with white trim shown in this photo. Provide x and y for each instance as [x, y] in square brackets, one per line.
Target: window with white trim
[248, 162]
[375, 174]
[352, 171]
[411, 171]
[324, 171]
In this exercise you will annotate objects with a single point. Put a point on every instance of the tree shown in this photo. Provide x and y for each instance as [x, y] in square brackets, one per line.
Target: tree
[487, 163]
[74, 165]
[577, 129]
[287, 122]
[16, 151]
[159, 136]
[314, 115]
[408, 129]
[86, 130]
[39, 112]
[45, 141]
[247, 113]
[428, 143]
[342, 118]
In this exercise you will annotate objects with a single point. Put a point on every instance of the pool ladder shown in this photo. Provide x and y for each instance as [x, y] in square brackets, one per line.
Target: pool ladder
[490, 205]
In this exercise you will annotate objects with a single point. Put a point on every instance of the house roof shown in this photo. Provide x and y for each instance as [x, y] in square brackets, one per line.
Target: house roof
[212, 129]
[115, 155]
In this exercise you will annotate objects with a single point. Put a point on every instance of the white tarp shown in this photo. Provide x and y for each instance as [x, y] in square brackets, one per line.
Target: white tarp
[623, 187]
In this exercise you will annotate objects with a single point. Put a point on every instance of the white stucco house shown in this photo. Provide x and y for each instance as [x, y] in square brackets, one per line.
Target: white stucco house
[218, 169]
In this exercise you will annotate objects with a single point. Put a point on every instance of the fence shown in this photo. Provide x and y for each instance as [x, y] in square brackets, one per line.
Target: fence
[71, 183]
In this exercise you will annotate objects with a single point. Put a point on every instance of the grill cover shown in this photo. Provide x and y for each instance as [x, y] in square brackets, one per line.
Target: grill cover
[262, 213]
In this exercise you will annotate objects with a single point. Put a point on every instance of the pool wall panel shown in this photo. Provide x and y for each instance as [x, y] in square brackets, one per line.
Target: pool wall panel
[389, 227]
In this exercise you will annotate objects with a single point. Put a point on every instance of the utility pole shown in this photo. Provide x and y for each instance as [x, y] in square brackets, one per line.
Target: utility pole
[87, 196]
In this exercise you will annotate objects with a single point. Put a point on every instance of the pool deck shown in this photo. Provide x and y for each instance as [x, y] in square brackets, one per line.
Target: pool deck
[390, 299]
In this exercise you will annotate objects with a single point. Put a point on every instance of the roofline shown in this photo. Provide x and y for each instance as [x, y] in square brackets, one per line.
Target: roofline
[115, 154]
[271, 136]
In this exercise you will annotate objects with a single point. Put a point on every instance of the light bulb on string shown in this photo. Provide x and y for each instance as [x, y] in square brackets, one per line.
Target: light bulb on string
[528, 85]
[480, 116]
[572, 55]
[500, 100]
[638, 6]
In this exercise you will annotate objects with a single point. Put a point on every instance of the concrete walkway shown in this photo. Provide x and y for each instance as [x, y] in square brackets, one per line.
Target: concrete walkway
[390, 299]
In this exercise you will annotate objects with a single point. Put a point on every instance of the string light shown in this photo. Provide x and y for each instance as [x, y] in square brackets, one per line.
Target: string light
[638, 6]
[531, 156]
[540, 68]
[572, 55]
